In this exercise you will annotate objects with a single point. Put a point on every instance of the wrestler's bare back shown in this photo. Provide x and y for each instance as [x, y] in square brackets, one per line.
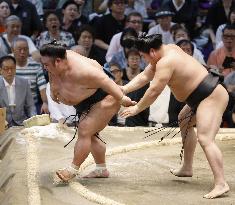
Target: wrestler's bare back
[76, 84]
[185, 72]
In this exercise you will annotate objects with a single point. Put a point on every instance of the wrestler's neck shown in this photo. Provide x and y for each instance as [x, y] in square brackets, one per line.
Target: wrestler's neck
[62, 70]
[156, 55]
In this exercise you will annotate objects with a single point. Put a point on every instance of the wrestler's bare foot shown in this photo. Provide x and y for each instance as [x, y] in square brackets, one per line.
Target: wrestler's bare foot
[98, 174]
[181, 172]
[65, 174]
[217, 191]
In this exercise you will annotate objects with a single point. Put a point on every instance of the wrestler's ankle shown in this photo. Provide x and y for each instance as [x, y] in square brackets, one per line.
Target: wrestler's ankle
[74, 166]
[101, 166]
[187, 168]
[221, 184]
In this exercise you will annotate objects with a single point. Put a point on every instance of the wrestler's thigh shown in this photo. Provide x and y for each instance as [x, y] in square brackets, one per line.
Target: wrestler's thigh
[99, 115]
[209, 114]
[185, 116]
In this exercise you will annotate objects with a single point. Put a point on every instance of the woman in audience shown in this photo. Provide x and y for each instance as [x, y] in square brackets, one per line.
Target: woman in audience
[179, 33]
[4, 13]
[132, 70]
[71, 17]
[86, 38]
[53, 32]
[126, 42]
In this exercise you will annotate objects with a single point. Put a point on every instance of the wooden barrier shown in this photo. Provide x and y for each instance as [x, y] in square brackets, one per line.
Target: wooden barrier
[2, 119]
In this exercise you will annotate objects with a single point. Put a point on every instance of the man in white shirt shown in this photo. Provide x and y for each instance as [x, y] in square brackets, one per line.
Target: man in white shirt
[164, 24]
[15, 93]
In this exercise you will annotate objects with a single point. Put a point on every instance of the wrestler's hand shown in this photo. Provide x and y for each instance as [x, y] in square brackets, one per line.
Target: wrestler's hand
[123, 89]
[130, 111]
[61, 123]
[126, 101]
[44, 108]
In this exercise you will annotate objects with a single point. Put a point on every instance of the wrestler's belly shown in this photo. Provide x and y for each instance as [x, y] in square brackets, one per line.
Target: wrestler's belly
[181, 94]
[74, 98]
[182, 91]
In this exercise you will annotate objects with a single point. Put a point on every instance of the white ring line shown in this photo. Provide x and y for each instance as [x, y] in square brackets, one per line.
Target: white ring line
[34, 197]
[32, 160]
[91, 196]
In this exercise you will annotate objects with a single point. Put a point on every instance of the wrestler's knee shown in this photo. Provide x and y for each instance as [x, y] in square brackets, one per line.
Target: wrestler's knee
[83, 129]
[204, 140]
[181, 117]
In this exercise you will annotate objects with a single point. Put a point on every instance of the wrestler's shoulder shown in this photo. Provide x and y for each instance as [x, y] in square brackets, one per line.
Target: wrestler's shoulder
[166, 60]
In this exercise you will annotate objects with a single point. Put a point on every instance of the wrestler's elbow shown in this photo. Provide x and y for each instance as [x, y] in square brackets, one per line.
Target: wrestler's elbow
[153, 92]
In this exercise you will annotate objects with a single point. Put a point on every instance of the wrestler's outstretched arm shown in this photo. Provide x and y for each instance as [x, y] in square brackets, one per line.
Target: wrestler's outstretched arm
[160, 80]
[101, 80]
[140, 80]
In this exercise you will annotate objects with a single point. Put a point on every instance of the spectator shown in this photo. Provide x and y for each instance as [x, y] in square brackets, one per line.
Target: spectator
[49, 4]
[117, 73]
[26, 11]
[71, 18]
[164, 24]
[229, 114]
[15, 93]
[133, 64]
[136, 6]
[217, 57]
[110, 24]
[132, 70]
[229, 82]
[186, 45]
[103, 7]
[86, 38]
[59, 111]
[126, 42]
[4, 13]
[133, 20]
[29, 69]
[156, 4]
[179, 33]
[79, 49]
[218, 13]
[13, 28]
[204, 6]
[53, 32]
[219, 32]
[186, 12]
[39, 6]
[85, 7]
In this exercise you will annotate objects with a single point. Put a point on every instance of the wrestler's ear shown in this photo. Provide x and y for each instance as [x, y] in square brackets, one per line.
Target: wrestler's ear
[152, 53]
[57, 61]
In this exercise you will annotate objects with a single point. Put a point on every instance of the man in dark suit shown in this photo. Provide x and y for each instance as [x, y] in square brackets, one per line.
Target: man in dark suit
[15, 93]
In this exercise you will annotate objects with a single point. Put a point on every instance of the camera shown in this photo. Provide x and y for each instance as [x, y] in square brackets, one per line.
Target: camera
[228, 62]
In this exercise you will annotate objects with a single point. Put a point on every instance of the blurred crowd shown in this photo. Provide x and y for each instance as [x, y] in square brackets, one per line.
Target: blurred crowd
[104, 31]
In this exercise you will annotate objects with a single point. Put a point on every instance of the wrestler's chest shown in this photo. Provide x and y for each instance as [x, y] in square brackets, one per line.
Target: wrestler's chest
[71, 96]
